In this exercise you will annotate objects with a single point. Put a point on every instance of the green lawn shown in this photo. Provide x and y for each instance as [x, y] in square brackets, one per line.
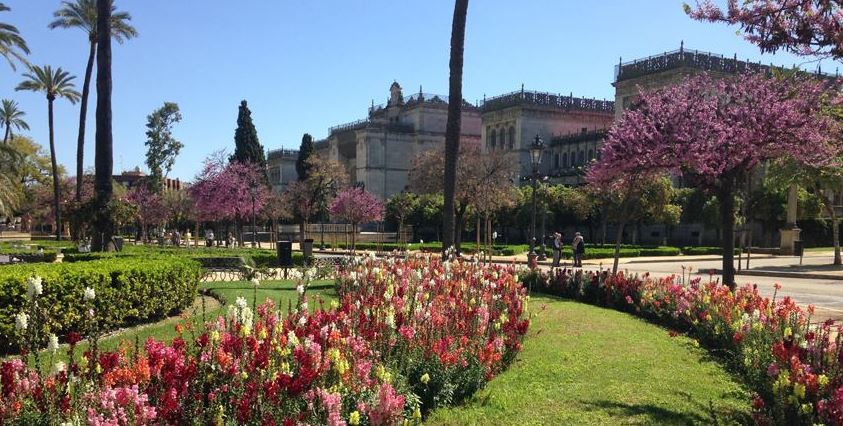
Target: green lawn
[587, 365]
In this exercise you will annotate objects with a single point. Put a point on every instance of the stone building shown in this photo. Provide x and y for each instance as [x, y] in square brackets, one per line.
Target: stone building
[569, 155]
[134, 177]
[378, 151]
[281, 167]
[512, 121]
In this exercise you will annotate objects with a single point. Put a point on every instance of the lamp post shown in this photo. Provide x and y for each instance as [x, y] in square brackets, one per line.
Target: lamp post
[253, 191]
[536, 150]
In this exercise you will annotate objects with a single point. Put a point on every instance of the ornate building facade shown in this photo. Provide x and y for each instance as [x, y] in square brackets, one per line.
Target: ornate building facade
[512, 121]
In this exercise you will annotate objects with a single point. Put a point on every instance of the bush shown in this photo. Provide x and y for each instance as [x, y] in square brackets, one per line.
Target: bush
[128, 290]
[660, 251]
[701, 251]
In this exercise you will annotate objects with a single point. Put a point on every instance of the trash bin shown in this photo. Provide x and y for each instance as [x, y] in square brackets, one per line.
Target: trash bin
[798, 248]
[307, 249]
[285, 253]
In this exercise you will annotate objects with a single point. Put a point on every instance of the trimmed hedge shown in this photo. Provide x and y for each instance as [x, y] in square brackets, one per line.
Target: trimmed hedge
[128, 290]
[262, 258]
[700, 251]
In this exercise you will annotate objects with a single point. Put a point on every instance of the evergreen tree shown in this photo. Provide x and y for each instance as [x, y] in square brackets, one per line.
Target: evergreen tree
[247, 148]
[305, 151]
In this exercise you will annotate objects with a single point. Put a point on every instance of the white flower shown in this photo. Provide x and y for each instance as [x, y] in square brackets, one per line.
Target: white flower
[53, 344]
[89, 294]
[303, 321]
[246, 316]
[21, 321]
[292, 339]
[255, 282]
[58, 367]
[300, 289]
[304, 307]
[241, 302]
[34, 287]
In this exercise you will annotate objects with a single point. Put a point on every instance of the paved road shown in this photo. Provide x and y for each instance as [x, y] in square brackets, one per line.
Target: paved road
[825, 294]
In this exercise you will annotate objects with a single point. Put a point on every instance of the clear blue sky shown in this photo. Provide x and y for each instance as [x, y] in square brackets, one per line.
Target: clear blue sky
[305, 65]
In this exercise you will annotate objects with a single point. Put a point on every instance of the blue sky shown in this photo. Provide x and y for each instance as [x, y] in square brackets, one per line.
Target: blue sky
[305, 65]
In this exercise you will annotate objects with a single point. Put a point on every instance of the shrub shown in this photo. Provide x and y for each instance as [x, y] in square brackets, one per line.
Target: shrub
[660, 251]
[128, 290]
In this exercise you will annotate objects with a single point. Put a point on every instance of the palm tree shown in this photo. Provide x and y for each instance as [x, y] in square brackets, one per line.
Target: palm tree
[104, 155]
[452, 127]
[9, 179]
[54, 84]
[11, 115]
[82, 14]
[12, 45]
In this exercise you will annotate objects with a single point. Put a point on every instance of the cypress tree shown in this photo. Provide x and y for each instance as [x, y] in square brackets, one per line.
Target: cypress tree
[305, 151]
[247, 148]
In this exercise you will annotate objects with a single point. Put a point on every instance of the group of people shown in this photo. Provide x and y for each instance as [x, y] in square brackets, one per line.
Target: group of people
[229, 241]
[577, 247]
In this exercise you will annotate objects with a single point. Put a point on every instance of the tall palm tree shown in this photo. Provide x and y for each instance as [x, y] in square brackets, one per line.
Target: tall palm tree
[452, 127]
[54, 84]
[104, 155]
[11, 115]
[82, 14]
[9, 179]
[12, 45]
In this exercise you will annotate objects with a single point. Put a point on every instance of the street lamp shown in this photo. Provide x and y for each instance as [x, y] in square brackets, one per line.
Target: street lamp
[536, 150]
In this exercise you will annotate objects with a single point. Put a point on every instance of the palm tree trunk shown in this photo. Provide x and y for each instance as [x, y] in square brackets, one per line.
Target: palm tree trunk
[452, 128]
[83, 113]
[8, 133]
[56, 189]
[104, 155]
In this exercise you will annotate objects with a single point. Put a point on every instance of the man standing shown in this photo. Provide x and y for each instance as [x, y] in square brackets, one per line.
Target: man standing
[578, 248]
[557, 248]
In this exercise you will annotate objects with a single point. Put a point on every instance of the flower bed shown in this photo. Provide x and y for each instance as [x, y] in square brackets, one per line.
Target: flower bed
[793, 367]
[405, 337]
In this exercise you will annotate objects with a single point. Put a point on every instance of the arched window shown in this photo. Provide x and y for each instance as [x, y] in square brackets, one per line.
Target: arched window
[494, 133]
[590, 154]
[564, 160]
[489, 137]
[582, 158]
[511, 137]
[503, 138]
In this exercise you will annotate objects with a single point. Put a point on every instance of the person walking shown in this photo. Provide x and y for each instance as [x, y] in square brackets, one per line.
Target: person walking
[578, 248]
[557, 249]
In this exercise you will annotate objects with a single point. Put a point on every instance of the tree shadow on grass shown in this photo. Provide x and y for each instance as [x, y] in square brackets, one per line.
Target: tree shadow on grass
[662, 415]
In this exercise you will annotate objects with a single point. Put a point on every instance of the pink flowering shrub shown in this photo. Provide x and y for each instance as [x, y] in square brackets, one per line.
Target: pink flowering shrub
[792, 365]
[405, 336]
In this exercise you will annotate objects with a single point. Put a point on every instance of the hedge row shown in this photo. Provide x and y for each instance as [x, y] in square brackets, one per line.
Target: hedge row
[466, 247]
[261, 257]
[128, 290]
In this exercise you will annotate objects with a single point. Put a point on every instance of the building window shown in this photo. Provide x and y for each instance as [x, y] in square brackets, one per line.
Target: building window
[590, 154]
[511, 137]
[503, 138]
[489, 137]
[582, 158]
[564, 160]
[556, 161]
[494, 134]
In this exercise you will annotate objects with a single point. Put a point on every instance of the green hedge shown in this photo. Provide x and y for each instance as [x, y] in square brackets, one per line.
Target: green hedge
[262, 258]
[128, 290]
[700, 251]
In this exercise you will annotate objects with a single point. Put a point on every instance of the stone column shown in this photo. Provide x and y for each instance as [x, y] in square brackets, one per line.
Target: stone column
[790, 233]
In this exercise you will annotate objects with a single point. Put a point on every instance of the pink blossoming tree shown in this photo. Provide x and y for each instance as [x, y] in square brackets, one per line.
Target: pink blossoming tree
[803, 27]
[356, 206]
[223, 191]
[714, 133]
[150, 208]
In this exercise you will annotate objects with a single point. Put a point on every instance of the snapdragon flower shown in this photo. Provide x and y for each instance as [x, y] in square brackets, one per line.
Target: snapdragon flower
[21, 321]
[34, 287]
[89, 294]
[53, 344]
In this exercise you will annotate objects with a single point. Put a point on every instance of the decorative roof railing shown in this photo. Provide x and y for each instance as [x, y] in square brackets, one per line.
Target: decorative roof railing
[372, 124]
[552, 100]
[578, 137]
[418, 98]
[684, 58]
[282, 153]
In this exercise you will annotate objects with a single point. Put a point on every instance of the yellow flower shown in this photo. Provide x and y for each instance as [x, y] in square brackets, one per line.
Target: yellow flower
[354, 418]
[220, 415]
[424, 378]
[245, 331]
[807, 408]
[244, 375]
[262, 335]
[708, 317]
[822, 380]
[384, 375]
[417, 413]
[799, 390]
[215, 336]
[788, 332]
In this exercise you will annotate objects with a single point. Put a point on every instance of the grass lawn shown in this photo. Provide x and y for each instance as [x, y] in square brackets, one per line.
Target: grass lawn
[587, 365]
